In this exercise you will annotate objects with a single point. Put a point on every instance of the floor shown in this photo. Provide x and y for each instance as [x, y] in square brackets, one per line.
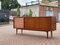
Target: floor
[9, 37]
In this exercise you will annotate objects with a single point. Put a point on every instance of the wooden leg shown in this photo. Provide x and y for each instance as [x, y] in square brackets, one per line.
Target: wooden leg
[51, 34]
[16, 31]
[21, 31]
[47, 34]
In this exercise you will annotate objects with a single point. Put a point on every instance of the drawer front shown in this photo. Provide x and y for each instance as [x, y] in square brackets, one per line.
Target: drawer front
[19, 22]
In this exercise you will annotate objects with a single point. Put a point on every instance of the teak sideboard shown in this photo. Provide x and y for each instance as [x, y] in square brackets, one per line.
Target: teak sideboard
[35, 24]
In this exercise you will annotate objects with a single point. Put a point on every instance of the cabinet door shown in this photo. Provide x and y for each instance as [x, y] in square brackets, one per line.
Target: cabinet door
[32, 23]
[45, 23]
[29, 23]
[18, 22]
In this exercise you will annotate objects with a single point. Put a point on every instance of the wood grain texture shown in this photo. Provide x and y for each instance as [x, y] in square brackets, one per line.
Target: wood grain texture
[36, 23]
[19, 22]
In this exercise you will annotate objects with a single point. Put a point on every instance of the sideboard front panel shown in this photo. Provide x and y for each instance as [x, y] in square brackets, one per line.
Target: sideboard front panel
[35, 23]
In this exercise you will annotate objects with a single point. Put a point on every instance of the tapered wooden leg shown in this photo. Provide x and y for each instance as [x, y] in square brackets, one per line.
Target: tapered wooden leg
[47, 34]
[16, 31]
[21, 31]
[51, 34]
